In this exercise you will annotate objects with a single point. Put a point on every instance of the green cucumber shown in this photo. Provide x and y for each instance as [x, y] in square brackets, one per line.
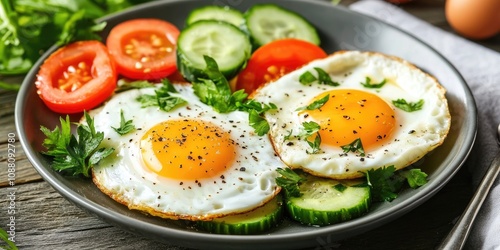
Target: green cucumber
[323, 203]
[214, 12]
[253, 222]
[225, 43]
[268, 22]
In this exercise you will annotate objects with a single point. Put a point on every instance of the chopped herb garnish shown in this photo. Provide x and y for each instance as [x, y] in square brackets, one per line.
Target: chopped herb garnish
[162, 98]
[71, 154]
[368, 83]
[288, 136]
[289, 181]
[259, 107]
[314, 144]
[257, 122]
[307, 78]
[408, 106]
[125, 126]
[216, 92]
[324, 78]
[415, 177]
[355, 146]
[340, 187]
[316, 104]
[124, 85]
[309, 128]
[385, 182]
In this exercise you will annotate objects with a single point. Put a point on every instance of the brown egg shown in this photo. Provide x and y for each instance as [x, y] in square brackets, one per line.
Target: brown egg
[475, 19]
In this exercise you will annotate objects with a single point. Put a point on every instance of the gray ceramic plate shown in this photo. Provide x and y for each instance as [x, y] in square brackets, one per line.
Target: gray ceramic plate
[339, 28]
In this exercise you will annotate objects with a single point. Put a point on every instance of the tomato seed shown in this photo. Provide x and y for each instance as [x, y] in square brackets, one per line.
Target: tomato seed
[74, 77]
[272, 70]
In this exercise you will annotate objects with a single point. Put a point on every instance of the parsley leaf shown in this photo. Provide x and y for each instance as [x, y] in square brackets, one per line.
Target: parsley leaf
[71, 154]
[314, 144]
[383, 183]
[216, 92]
[309, 129]
[257, 122]
[255, 112]
[408, 106]
[415, 177]
[124, 85]
[125, 126]
[162, 98]
[307, 78]
[289, 181]
[255, 105]
[340, 187]
[147, 100]
[324, 78]
[355, 146]
[57, 139]
[316, 104]
[368, 84]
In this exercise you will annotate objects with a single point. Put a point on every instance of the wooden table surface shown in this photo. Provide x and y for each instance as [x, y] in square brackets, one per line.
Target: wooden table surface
[45, 220]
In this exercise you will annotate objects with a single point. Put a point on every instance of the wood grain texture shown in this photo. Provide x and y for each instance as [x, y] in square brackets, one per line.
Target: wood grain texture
[45, 220]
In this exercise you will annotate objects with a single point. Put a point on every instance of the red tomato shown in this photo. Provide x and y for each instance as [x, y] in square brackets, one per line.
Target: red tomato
[77, 77]
[273, 60]
[143, 48]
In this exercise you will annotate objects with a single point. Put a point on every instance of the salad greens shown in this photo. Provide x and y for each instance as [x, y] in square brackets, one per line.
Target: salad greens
[29, 27]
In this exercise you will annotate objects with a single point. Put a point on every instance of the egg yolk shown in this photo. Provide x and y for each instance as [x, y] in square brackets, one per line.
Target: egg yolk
[187, 149]
[351, 114]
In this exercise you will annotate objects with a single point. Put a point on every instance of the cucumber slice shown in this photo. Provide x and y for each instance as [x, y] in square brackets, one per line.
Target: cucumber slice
[213, 12]
[254, 222]
[323, 204]
[269, 22]
[225, 43]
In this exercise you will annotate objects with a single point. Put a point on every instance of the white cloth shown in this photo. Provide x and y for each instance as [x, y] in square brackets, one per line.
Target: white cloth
[480, 68]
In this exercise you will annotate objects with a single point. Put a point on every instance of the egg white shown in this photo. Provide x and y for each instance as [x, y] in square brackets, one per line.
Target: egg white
[415, 133]
[248, 184]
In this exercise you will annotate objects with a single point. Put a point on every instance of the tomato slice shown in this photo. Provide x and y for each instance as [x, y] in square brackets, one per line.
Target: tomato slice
[273, 60]
[144, 48]
[77, 77]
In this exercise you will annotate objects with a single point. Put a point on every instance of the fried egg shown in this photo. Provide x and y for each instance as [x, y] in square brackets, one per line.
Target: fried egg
[189, 163]
[350, 114]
